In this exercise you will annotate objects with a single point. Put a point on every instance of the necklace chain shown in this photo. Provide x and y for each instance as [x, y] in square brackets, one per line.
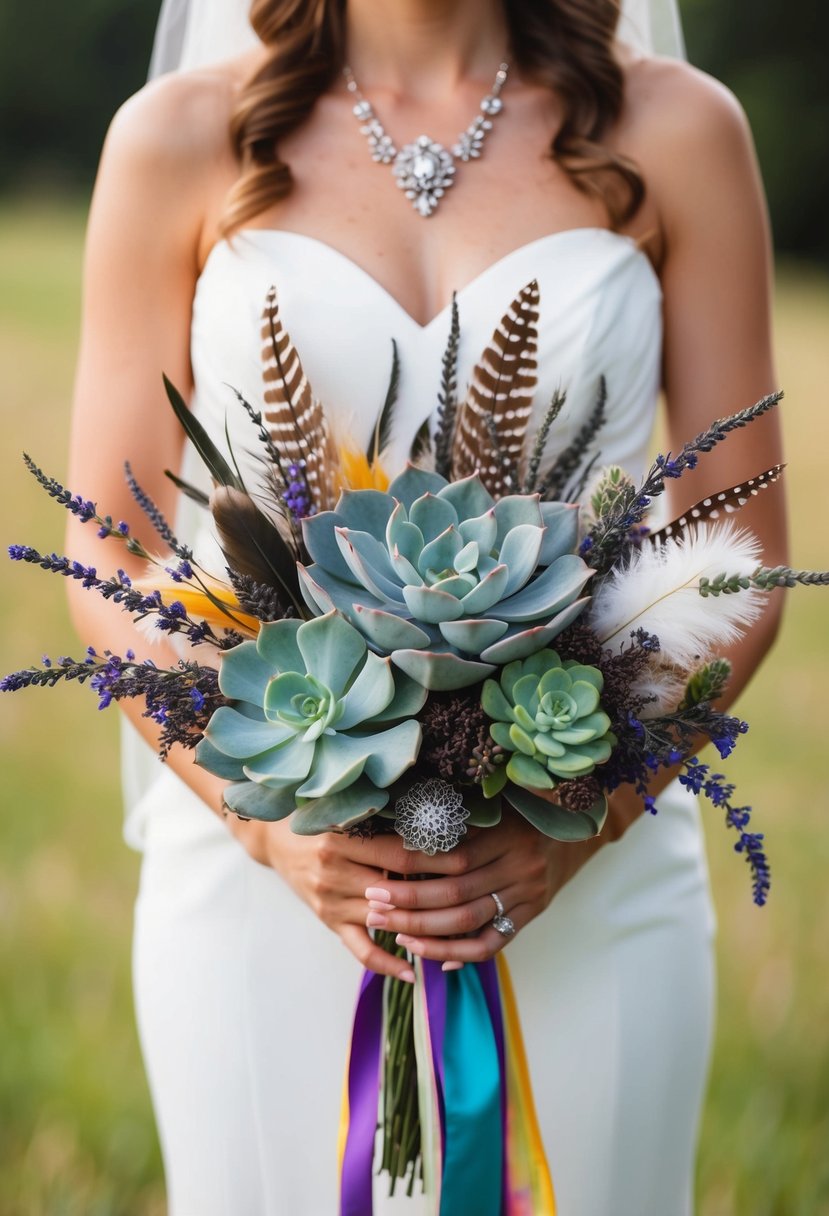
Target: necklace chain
[424, 169]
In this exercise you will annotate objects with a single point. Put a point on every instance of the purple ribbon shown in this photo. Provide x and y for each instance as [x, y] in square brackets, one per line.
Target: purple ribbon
[363, 1096]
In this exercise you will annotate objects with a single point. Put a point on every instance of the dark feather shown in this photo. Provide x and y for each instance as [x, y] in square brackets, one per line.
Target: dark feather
[382, 432]
[189, 491]
[251, 543]
[218, 467]
[726, 502]
[421, 444]
[502, 387]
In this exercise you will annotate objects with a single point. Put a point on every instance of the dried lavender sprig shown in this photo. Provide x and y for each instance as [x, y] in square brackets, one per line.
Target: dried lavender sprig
[540, 442]
[181, 699]
[263, 434]
[568, 461]
[85, 511]
[610, 536]
[259, 599]
[171, 618]
[154, 515]
[448, 397]
[764, 579]
[698, 778]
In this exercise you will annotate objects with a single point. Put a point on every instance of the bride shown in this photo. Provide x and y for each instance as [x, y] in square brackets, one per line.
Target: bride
[626, 184]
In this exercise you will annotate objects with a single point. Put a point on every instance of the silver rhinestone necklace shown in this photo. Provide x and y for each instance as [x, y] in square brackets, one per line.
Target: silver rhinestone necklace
[425, 170]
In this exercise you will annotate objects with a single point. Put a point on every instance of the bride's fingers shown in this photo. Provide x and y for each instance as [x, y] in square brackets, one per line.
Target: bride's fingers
[478, 949]
[450, 892]
[442, 922]
[374, 957]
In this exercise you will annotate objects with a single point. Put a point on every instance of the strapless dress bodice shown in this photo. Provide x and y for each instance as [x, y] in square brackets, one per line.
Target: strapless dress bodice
[600, 314]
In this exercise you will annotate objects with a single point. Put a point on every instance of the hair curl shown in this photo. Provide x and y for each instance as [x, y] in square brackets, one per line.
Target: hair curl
[565, 45]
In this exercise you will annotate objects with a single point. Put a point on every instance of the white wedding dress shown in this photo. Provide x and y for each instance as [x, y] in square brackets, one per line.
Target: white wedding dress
[244, 998]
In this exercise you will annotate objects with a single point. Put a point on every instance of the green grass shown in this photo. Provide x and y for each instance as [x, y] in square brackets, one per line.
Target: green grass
[76, 1135]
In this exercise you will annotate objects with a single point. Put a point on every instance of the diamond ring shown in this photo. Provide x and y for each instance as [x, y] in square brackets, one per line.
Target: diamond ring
[502, 923]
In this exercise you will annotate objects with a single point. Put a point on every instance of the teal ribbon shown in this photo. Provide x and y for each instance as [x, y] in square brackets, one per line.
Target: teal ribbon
[473, 1154]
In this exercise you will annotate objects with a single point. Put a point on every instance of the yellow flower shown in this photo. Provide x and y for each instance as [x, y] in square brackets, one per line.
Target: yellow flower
[358, 473]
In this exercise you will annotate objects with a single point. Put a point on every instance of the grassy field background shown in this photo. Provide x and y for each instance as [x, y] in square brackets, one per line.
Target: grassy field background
[76, 1134]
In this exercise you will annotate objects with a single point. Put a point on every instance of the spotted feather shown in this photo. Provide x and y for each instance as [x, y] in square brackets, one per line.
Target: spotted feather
[492, 422]
[294, 417]
[726, 502]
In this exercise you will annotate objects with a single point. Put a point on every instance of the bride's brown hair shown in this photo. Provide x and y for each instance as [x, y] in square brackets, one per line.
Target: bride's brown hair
[566, 45]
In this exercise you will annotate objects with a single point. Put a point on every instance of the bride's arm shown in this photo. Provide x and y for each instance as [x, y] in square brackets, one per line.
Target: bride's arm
[158, 167]
[697, 156]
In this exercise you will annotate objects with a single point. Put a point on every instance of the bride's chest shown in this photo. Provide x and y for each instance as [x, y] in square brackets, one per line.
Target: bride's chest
[511, 195]
[599, 315]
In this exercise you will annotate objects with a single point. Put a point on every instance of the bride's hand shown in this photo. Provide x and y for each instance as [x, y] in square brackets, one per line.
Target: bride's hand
[331, 872]
[525, 869]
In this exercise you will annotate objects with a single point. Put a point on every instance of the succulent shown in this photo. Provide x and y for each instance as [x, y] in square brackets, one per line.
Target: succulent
[315, 729]
[442, 578]
[547, 713]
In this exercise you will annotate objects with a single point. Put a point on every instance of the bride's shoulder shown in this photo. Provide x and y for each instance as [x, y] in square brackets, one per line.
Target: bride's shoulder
[679, 119]
[690, 137]
[669, 97]
[179, 122]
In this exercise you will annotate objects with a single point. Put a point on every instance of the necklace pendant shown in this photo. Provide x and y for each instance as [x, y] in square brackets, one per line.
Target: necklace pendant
[424, 170]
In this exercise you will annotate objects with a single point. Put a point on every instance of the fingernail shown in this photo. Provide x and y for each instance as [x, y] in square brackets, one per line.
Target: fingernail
[451, 966]
[379, 894]
[379, 907]
[408, 976]
[403, 940]
[376, 920]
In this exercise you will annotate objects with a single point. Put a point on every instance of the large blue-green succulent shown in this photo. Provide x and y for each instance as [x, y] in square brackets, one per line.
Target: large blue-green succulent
[444, 579]
[315, 728]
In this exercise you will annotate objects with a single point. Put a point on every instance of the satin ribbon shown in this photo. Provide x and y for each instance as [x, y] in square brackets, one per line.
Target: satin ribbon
[481, 1145]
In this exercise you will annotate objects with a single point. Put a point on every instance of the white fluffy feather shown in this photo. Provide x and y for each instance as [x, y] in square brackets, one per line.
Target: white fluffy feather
[659, 591]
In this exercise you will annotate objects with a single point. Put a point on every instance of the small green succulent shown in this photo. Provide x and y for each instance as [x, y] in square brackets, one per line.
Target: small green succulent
[444, 579]
[315, 729]
[547, 713]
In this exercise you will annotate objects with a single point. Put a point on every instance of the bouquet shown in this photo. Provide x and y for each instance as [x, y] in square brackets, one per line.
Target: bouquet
[491, 630]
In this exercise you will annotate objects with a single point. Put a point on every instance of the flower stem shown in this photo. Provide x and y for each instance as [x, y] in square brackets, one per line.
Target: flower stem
[400, 1116]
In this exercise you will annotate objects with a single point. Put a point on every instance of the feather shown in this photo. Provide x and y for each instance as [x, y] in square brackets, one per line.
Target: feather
[219, 469]
[188, 490]
[251, 543]
[295, 418]
[658, 591]
[727, 501]
[420, 453]
[215, 603]
[502, 387]
[382, 432]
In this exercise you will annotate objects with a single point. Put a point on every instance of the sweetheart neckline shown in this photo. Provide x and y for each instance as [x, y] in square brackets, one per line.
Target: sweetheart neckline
[331, 250]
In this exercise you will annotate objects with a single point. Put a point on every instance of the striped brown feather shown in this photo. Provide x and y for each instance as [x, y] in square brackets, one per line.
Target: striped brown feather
[294, 417]
[499, 400]
[726, 502]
